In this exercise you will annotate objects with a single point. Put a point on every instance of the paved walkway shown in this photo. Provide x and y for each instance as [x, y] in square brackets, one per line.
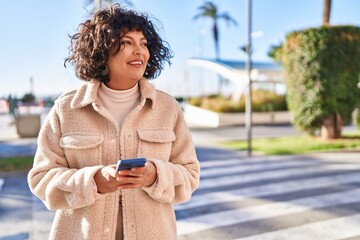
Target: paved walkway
[10, 143]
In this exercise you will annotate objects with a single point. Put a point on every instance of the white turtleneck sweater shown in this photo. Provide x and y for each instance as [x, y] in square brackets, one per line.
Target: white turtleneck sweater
[119, 103]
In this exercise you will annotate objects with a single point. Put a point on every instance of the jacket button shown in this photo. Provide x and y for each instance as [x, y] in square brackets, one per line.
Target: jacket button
[107, 230]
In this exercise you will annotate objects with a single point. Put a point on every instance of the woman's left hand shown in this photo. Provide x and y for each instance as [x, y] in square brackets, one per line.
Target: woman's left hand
[138, 176]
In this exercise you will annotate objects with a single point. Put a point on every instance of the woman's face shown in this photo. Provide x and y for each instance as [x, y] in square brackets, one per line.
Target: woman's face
[128, 66]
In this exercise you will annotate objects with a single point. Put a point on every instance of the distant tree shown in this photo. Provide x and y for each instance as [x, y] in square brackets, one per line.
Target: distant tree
[327, 12]
[210, 10]
[275, 52]
[28, 98]
[13, 105]
[98, 4]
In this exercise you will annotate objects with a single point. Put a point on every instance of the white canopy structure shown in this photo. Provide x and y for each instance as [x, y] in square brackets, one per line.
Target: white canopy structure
[235, 72]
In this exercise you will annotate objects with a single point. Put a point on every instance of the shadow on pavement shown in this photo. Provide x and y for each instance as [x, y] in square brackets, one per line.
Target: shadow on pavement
[19, 236]
[212, 153]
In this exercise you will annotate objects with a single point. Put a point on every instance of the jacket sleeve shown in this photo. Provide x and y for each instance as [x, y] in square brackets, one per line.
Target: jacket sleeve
[178, 178]
[51, 179]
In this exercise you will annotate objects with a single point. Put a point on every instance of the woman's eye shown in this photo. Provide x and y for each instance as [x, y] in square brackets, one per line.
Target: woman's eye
[144, 44]
[125, 43]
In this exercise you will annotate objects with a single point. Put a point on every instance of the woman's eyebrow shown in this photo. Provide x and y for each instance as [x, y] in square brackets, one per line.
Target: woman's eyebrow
[131, 38]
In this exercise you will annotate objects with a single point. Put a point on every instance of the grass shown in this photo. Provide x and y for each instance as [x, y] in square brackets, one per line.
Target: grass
[298, 144]
[15, 164]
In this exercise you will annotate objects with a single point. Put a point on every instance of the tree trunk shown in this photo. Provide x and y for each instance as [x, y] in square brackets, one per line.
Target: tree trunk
[97, 5]
[332, 127]
[327, 11]
[216, 41]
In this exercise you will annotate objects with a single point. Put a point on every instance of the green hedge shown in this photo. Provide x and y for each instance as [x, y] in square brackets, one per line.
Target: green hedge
[322, 66]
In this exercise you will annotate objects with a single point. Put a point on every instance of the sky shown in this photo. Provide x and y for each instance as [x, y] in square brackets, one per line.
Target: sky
[34, 38]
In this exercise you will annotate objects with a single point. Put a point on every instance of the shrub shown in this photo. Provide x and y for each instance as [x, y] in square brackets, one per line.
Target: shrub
[322, 66]
[357, 117]
[262, 101]
[28, 98]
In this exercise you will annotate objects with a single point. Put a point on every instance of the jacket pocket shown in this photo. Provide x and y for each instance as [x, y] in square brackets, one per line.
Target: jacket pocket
[156, 143]
[82, 149]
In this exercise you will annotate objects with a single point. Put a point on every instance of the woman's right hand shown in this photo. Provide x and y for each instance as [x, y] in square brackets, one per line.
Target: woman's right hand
[105, 179]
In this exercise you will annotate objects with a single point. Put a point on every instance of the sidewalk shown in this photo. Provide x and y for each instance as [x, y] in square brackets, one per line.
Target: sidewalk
[10, 143]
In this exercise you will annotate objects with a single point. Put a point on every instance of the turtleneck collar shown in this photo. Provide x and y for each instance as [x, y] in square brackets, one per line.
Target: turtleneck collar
[119, 95]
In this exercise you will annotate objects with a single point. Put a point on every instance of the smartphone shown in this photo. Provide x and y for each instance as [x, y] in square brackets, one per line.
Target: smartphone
[126, 164]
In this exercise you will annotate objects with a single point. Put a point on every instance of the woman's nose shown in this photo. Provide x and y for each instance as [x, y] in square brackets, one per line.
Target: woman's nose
[137, 50]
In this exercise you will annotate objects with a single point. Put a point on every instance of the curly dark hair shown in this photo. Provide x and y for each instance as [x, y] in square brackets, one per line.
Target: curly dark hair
[100, 36]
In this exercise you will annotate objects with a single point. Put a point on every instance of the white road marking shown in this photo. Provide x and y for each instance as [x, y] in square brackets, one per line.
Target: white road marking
[282, 173]
[240, 168]
[267, 189]
[272, 209]
[339, 228]
[2, 181]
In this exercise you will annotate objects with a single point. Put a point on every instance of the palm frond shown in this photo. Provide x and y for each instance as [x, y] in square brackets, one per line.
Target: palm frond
[210, 10]
[228, 18]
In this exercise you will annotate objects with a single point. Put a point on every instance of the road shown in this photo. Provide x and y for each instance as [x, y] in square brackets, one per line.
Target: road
[309, 197]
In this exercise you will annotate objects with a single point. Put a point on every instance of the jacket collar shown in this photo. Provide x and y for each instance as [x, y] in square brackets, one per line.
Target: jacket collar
[87, 93]
[147, 91]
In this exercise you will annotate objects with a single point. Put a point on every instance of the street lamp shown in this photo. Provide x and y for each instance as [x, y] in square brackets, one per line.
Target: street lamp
[248, 100]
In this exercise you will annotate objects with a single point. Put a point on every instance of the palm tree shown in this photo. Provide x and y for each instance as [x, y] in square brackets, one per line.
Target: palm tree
[210, 10]
[98, 4]
[327, 11]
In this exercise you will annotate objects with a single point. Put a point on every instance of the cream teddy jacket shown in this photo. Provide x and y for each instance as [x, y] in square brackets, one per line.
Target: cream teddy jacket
[78, 137]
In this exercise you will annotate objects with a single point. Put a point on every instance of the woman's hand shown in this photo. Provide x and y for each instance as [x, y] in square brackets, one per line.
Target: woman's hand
[105, 179]
[109, 180]
[138, 176]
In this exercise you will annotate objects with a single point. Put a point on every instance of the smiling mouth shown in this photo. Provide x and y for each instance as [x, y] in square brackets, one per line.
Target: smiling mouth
[136, 63]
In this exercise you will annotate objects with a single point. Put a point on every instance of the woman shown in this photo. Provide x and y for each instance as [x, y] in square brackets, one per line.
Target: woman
[115, 114]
